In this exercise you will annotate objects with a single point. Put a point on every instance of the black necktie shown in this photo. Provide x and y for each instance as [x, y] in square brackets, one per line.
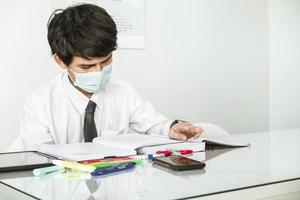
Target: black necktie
[89, 127]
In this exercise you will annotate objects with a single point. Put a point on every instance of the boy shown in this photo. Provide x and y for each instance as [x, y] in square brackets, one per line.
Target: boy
[83, 102]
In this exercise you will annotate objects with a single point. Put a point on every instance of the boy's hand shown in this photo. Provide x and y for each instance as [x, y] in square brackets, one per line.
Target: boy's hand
[184, 131]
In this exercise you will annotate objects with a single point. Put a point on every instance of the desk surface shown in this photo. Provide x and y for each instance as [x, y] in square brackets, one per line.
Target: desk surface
[272, 158]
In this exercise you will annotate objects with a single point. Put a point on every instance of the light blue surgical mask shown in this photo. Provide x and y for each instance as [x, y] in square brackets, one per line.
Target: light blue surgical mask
[93, 81]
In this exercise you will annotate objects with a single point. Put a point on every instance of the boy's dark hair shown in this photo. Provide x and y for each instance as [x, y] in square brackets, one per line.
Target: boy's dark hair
[85, 30]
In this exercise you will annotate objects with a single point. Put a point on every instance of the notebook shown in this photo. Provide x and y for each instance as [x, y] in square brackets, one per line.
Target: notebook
[148, 144]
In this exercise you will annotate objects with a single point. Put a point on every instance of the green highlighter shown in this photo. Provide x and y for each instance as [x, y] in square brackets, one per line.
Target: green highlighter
[110, 164]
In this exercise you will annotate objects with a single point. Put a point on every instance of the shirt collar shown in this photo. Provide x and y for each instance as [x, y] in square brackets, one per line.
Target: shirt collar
[79, 100]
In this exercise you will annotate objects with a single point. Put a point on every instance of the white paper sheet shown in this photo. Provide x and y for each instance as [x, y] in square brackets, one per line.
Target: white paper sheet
[129, 15]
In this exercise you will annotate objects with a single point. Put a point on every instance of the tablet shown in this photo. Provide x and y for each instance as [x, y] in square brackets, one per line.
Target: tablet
[24, 160]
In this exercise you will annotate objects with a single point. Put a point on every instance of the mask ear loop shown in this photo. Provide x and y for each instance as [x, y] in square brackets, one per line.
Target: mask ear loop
[74, 82]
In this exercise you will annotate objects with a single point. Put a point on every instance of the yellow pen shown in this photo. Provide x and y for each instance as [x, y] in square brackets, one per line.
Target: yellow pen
[74, 165]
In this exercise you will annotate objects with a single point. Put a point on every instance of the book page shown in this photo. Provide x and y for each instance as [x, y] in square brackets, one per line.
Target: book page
[134, 141]
[84, 151]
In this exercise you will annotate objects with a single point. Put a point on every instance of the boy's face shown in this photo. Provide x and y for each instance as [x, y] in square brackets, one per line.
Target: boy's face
[82, 65]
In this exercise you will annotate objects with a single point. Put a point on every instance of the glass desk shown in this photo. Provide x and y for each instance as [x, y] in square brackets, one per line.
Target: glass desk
[270, 166]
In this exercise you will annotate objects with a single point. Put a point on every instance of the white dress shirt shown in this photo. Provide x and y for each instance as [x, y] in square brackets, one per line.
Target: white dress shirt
[55, 113]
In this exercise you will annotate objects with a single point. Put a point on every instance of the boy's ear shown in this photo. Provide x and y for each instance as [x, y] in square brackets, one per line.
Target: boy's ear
[59, 61]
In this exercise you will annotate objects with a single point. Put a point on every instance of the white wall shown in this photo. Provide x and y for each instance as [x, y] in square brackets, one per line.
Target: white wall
[284, 64]
[206, 60]
[24, 59]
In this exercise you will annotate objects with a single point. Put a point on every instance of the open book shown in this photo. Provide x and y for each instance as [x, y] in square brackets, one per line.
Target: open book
[148, 144]
[126, 145]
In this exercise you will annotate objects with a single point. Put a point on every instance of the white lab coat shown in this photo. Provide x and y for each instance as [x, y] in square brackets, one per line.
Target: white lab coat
[55, 113]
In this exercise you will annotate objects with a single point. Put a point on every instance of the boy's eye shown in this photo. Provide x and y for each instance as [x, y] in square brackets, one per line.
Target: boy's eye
[86, 66]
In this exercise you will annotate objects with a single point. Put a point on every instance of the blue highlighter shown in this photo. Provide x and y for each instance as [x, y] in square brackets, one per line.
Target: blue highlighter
[113, 169]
